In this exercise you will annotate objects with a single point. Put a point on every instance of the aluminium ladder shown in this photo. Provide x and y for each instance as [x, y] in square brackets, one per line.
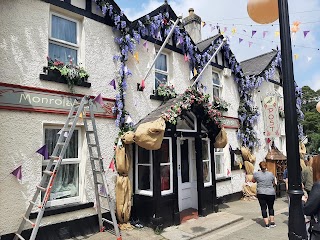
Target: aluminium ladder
[52, 168]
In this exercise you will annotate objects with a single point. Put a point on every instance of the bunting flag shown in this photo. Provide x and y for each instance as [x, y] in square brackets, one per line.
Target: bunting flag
[228, 172]
[295, 27]
[129, 119]
[119, 144]
[205, 88]
[17, 173]
[43, 151]
[159, 37]
[145, 45]
[186, 58]
[180, 40]
[111, 165]
[142, 84]
[195, 72]
[240, 40]
[212, 28]
[102, 190]
[222, 33]
[136, 56]
[264, 33]
[305, 33]
[225, 29]
[276, 33]
[244, 30]
[81, 115]
[234, 30]
[113, 84]
[203, 24]
[250, 43]
[98, 99]
[309, 59]
[240, 165]
[295, 56]
[253, 33]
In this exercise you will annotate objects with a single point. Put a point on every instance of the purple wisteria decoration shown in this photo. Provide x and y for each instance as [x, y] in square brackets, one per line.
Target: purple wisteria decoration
[248, 113]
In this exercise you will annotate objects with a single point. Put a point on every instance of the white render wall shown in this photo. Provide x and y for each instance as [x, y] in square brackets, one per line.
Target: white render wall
[23, 51]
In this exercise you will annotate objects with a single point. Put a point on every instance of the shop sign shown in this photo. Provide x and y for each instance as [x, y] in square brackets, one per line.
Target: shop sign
[271, 117]
[230, 122]
[16, 97]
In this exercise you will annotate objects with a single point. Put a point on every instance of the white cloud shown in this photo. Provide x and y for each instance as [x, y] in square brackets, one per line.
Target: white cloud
[314, 81]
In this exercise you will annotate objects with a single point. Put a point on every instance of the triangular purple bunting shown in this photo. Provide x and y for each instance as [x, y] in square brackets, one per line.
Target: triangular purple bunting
[305, 33]
[43, 151]
[240, 40]
[17, 173]
[98, 99]
[253, 33]
[113, 84]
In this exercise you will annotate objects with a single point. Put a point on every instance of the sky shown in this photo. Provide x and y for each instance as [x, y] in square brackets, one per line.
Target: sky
[231, 14]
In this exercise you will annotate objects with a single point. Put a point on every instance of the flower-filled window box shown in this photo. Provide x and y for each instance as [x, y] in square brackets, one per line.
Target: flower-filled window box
[71, 74]
[164, 92]
[220, 104]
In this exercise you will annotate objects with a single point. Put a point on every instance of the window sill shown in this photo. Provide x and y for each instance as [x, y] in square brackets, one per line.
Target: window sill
[62, 209]
[55, 76]
[223, 179]
[156, 97]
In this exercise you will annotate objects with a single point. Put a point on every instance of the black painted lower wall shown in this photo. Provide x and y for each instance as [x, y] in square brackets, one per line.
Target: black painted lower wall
[65, 230]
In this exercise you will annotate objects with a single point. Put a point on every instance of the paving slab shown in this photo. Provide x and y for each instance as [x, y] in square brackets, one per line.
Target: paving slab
[203, 225]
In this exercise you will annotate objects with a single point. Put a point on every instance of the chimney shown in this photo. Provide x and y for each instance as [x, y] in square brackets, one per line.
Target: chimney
[192, 24]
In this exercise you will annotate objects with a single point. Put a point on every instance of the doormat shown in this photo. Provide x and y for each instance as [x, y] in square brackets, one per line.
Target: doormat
[188, 214]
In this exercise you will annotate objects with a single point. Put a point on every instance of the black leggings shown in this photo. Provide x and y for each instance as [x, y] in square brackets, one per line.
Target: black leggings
[266, 201]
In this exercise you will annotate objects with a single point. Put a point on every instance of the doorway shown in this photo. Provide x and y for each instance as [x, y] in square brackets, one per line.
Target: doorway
[187, 174]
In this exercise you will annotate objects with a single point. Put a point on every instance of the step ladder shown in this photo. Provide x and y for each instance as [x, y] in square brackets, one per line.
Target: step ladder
[84, 110]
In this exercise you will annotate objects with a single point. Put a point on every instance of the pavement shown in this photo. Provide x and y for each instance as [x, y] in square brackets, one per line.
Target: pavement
[235, 220]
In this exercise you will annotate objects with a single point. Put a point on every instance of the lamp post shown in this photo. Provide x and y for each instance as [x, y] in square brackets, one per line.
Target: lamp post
[266, 11]
[297, 229]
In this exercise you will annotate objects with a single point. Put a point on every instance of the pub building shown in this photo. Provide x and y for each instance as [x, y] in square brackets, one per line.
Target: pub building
[186, 177]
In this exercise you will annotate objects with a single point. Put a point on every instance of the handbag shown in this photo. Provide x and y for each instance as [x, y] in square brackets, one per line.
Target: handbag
[314, 228]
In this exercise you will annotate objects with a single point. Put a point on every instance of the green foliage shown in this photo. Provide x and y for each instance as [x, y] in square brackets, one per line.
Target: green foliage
[71, 72]
[165, 91]
[311, 123]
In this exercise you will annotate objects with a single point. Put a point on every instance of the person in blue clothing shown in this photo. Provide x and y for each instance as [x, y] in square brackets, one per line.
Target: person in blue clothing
[266, 193]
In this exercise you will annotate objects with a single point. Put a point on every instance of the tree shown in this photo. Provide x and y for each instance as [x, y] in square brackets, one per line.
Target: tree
[311, 123]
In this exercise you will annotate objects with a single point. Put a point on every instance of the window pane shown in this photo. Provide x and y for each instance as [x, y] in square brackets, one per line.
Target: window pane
[143, 155]
[160, 79]
[161, 63]
[51, 138]
[185, 161]
[215, 78]
[205, 154]
[144, 181]
[216, 91]
[66, 183]
[162, 155]
[64, 29]
[63, 54]
[165, 177]
[219, 166]
[206, 173]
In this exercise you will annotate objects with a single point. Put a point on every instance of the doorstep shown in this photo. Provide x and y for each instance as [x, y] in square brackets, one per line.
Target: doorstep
[198, 227]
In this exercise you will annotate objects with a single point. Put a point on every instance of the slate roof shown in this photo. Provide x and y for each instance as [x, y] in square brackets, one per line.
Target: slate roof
[256, 65]
[204, 44]
[155, 114]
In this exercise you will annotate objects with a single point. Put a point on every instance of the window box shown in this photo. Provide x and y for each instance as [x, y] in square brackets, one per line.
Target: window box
[54, 75]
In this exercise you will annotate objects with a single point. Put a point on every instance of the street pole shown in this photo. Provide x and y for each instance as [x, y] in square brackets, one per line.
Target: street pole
[297, 228]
